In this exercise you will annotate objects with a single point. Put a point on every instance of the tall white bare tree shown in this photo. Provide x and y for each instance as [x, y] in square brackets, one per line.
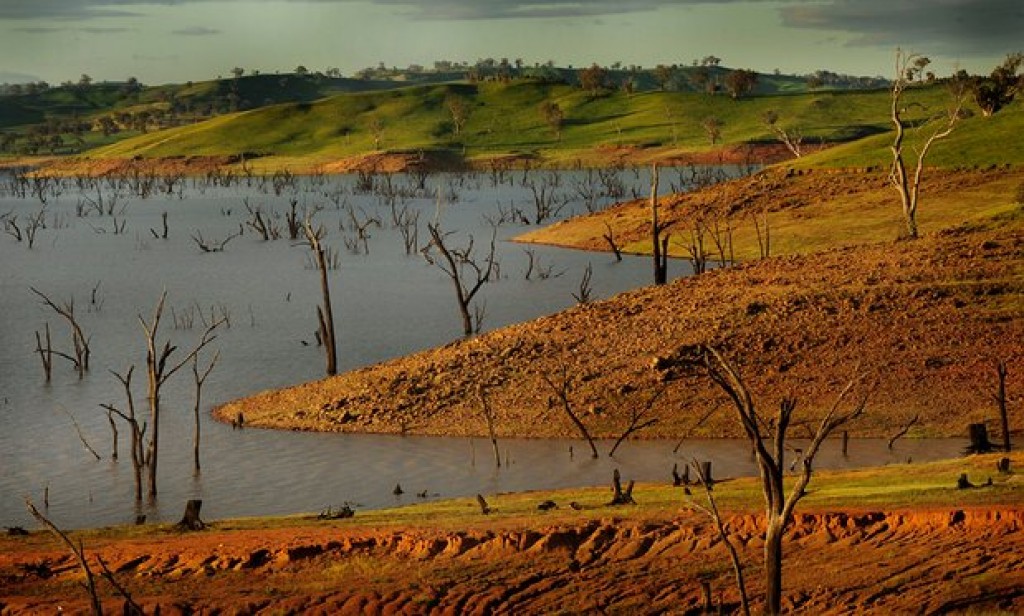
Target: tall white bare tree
[935, 127]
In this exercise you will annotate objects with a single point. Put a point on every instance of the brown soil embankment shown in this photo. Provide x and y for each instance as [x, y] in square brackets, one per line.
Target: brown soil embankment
[925, 320]
[923, 562]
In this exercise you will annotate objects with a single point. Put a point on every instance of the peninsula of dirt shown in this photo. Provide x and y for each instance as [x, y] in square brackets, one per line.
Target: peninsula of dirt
[924, 321]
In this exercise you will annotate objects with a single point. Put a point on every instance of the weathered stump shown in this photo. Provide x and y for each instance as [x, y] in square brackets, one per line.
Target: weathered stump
[191, 521]
[705, 473]
[978, 433]
[1003, 465]
[620, 496]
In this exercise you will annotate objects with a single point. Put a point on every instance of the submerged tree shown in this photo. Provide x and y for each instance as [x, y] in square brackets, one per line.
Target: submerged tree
[324, 312]
[467, 272]
[158, 371]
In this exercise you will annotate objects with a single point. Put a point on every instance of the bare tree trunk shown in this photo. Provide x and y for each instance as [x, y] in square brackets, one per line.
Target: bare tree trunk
[659, 246]
[489, 417]
[773, 567]
[907, 66]
[157, 373]
[769, 452]
[325, 314]
[1001, 401]
[199, 378]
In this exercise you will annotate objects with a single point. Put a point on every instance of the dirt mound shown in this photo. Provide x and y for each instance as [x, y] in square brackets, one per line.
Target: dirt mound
[836, 563]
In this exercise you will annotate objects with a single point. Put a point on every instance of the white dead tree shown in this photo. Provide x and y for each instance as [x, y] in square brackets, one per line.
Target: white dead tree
[909, 68]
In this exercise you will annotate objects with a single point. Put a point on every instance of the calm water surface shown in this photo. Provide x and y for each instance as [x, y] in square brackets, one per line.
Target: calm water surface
[387, 303]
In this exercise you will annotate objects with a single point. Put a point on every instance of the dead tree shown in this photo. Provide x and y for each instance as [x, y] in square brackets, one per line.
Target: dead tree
[137, 431]
[562, 388]
[903, 431]
[711, 510]
[79, 552]
[158, 371]
[212, 246]
[909, 68]
[792, 139]
[582, 296]
[78, 337]
[485, 407]
[659, 243]
[764, 233]
[45, 353]
[638, 419]
[1000, 398]
[610, 238]
[468, 274]
[324, 312]
[768, 441]
[199, 378]
[620, 496]
[190, 520]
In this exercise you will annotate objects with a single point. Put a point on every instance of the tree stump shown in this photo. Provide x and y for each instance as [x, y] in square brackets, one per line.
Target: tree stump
[1003, 465]
[979, 439]
[620, 496]
[705, 473]
[191, 521]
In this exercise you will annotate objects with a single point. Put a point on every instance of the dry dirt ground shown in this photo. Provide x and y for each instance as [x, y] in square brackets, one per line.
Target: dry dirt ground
[926, 561]
[924, 321]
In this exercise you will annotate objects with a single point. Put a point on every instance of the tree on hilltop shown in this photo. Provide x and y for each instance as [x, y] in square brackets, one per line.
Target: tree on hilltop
[740, 82]
[998, 90]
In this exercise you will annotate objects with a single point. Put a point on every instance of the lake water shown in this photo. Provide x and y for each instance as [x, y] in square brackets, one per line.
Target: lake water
[387, 303]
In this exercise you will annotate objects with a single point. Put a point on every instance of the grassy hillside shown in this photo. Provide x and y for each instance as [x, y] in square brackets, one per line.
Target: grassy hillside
[976, 140]
[505, 119]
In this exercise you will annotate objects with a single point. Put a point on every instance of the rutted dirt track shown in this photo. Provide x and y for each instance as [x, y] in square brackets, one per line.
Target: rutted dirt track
[931, 561]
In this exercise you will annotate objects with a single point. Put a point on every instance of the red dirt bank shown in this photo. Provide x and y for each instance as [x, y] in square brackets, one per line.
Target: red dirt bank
[836, 563]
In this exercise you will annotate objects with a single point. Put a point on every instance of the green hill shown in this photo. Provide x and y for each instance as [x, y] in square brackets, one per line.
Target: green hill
[504, 119]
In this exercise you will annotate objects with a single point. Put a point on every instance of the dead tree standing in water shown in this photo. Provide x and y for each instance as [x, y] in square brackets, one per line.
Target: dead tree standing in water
[659, 243]
[455, 262]
[324, 313]
[199, 377]
[158, 372]
[78, 338]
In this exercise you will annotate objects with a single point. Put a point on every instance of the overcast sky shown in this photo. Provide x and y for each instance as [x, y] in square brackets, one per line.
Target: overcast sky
[160, 41]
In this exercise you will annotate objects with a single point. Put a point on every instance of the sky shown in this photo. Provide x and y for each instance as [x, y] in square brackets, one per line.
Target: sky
[163, 41]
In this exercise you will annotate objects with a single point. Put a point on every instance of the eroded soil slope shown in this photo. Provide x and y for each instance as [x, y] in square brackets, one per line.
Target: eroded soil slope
[841, 563]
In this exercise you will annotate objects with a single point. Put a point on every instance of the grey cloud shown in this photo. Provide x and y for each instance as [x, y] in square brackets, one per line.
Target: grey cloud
[196, 31]
[433, 10]
[935, 26]
[66, 9]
